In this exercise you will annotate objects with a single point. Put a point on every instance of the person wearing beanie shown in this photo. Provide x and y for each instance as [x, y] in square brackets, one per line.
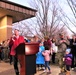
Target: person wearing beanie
[67, 61]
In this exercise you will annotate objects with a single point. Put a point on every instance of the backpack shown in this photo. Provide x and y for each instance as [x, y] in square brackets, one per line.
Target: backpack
[68, 61]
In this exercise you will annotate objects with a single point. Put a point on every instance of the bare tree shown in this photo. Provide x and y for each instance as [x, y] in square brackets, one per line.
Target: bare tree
[47, 21]
[72, 4]
[23, 28]
[69, 21]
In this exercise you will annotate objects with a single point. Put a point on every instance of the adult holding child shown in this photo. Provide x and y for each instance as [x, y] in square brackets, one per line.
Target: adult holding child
[62, 44]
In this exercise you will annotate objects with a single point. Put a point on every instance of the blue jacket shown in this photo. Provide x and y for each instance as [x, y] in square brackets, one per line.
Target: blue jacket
[39, 56]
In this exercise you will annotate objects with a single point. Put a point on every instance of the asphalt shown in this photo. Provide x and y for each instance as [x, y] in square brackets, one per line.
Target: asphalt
[7, 69]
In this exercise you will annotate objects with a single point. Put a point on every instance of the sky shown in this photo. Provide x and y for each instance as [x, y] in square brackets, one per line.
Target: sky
[63, 4]
[22, 2]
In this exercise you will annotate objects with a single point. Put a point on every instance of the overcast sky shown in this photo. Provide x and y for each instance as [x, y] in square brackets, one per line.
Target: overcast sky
[62, 3]
[22, 2]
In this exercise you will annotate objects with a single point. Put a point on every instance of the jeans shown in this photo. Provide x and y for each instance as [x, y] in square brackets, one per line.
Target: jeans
[47, 65]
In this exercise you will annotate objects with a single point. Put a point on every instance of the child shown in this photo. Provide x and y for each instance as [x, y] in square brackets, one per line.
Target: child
[46, 55]
[40, 58]
[68, 61]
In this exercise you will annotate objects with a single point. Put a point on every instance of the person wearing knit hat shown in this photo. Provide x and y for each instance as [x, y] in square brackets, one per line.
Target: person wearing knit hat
[68, 50]
[68, 61]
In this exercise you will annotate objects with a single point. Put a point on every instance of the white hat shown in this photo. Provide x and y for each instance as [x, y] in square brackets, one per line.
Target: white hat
[16, 29]
[68, 50]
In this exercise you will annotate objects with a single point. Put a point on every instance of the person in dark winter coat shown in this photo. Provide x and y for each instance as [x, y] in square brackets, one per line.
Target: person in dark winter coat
[73, 51]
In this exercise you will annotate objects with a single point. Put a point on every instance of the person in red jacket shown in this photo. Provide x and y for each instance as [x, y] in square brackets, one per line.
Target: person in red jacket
[15, 40]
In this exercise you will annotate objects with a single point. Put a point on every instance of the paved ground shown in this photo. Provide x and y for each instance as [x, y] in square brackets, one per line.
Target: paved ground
[7, 69]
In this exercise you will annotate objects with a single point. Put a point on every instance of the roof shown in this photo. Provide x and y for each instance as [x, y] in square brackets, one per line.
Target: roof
[9, 2]
[16, 11]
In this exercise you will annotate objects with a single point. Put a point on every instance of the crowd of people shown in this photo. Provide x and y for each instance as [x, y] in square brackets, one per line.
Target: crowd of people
[4, 50]
[62, 49]
[51, 49]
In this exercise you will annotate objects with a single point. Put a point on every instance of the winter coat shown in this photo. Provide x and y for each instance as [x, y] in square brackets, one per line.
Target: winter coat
[14, 44]
[68, 59]
[46, 55]
[39, 56]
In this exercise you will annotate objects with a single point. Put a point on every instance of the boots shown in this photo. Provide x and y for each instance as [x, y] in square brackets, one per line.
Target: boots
[63, 70]
[68, 73]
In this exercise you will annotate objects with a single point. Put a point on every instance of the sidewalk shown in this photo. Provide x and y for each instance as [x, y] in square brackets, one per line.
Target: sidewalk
[7, 69]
